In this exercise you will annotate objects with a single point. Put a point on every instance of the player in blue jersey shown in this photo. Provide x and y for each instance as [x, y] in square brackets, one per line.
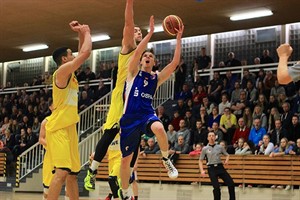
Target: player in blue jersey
[139, 115]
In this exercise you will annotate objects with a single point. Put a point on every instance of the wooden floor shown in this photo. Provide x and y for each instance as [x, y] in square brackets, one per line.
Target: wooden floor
[175, 192]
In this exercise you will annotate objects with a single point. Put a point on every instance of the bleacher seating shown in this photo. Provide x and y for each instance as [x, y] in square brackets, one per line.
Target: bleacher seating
[2, 164]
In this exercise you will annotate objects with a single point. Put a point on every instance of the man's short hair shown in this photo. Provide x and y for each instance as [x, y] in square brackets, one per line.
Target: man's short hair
[58, 54]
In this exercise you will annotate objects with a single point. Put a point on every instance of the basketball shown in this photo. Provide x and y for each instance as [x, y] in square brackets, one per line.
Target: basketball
[171, 23]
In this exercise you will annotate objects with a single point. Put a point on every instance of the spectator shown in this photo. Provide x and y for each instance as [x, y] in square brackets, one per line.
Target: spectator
[267, 147]
[203, 61]
[171, 134]
[5, 125]
[294, 130]
[278, 133]
[214, 88]
[175, 120]
[143, 144]
[36, 126]
[265, 58]
[100, 91]
[261, 87]
[114, 73]
[219, 134]
[84, 102]
[241, 132]
[197, 150]
[180, 74]
[199, 95]
[242, 147]
[80, 74]
[21, 142]
[9, 139]
[185, 93]
[248, 118]
[89, 75]
[89, 91]
[228, 124]
[262, 102]
[256, 61]
[257, 113]
[277, 89]
[286, 116]
[269, 82]
[257, 132]
[232, 61]
[239, 106]
[247, 76]
[203, 117]
[296, 149]
[152, 148]
[181, 147]
[207, 105]
[160, 112]
[183, 131]
[296, 103]
[15, 128]
[200, 134]
[274, 115]
[47, 80]
[214, 116]
[235, 95]
[260, 77]
[31, 138]
[190, 121]
[9, 158]
[228, 82]
[251, 93]
[224, 103]
[180, 107]
[273, 103]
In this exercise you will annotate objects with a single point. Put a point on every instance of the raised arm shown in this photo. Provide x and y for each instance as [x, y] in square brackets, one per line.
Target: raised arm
[170, 68]
[284, 51]
[85, 44]
[133, 65]
[42, 135]
[128, 43]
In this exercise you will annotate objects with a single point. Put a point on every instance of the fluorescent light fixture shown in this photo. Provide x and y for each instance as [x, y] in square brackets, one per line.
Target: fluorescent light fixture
[252, 14]
[157, 28]
[97, 38]
[35, 47]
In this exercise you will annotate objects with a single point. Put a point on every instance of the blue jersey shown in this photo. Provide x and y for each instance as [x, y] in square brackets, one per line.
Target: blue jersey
[139, 93]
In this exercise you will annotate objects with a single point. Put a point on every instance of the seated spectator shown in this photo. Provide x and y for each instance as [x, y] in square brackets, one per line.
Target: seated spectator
[9, 158]
[266, 147]
[21, 141]
[242, 148]
[185, 93]
[15, 128]
[251, 93]
[235, 95]
[143, 144]
[239, 106]
[260, 77]
[207, 105]
[257, 113]
[36, 126]
[256, 61]
[262, 102]
[248, 118]
[47, 79]
[296, 103]
[89, 90]
[9, 139]
[228, 124]
[160, 112]
[80, 74]
[228, 82]
[247, 76]
[89, 75]
[242, 131]
[5, 125]
[286, 116]
[152, 148]
[277, 89]
[219, 134]
[261, 88]
[197, 151]
[274, 115]
[224, 103]
[273, 103]
[84, 101]
[181, 147]
[31, 138]
[100, 91]
[294, 130]
[257, 132]
[183, 131]
[269, 82]
[200, 134]
[278, 133]
[190, 121]
[296, 149]
[171, 134]
[180, 107]
[203, 117]
[213, 117]
[175, 120]
[199, 95]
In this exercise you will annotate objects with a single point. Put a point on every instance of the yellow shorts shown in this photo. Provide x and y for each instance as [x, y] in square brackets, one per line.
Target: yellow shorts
[47, 170]
[117, 105]
[114, 165]
[62, 146]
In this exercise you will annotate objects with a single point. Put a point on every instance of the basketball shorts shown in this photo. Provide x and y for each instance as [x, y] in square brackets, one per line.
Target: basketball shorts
[47, 170]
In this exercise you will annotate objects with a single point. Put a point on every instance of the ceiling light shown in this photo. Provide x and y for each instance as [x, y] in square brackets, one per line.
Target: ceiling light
[157, 28]
[35, 47]
[252, 14]
[97, 38]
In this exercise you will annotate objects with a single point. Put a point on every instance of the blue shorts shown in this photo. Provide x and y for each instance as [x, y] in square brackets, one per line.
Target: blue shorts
[132, 127]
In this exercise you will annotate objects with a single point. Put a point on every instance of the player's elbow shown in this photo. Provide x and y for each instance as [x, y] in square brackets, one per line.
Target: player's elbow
[284, 79]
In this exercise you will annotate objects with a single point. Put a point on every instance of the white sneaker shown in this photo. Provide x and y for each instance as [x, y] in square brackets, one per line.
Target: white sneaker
[288, 187]
[172, 171]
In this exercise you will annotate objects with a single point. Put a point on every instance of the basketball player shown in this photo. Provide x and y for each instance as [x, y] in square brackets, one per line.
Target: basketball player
[139, 115]
[62, 139]
[131, 35]
[47, 167]
[287, 74]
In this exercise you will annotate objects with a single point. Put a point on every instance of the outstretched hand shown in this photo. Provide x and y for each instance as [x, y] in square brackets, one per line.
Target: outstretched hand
[75, 26]
[284, 50]
[179, 32]
[151, 24]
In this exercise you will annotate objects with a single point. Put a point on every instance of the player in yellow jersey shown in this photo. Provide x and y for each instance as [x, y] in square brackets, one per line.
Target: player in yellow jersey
[131, 35]
[62, 139]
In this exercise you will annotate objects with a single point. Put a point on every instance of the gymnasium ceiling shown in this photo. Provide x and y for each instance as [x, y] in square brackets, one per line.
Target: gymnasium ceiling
[24, 22]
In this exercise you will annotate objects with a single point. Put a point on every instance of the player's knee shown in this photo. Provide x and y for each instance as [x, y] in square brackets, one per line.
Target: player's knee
[126, 160]
[158, 129]
[61, 175]
[72, 178]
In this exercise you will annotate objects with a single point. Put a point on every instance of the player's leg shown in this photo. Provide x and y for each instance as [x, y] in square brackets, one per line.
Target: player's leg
[57, 182]
[72, 185]
[158, 129]
[125, 175]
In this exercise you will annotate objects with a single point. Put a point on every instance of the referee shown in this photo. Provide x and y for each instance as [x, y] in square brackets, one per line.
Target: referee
[212, 153]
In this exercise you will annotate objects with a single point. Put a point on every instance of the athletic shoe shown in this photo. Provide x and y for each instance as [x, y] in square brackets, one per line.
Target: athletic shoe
[288, 187]
[172, 171]
[120, 193]
[107, 198]
[89, 180]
